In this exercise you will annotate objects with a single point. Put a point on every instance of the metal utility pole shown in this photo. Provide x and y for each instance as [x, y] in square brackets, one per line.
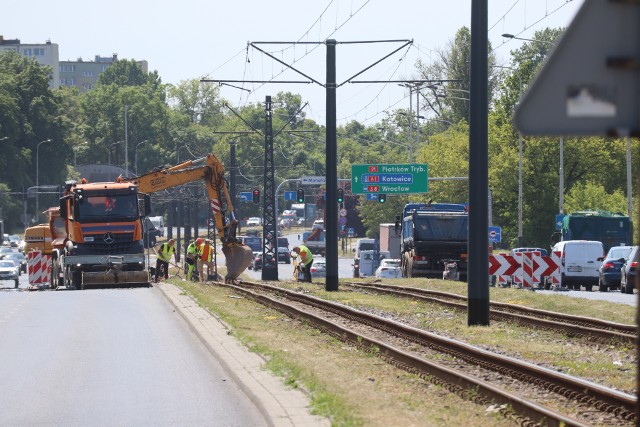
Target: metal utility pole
[478, 284]
[331, 205]
[126, 143]
[270, 239]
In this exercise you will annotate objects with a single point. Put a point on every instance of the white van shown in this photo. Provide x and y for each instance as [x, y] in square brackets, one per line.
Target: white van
[158, 223]
[364, 245]
[579, 263]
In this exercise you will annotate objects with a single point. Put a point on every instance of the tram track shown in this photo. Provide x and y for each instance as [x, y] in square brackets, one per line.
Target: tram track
[473, 373]
[571, 325]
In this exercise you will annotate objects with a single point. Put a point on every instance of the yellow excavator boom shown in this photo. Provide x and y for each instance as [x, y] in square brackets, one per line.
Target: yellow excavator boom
[210, 169]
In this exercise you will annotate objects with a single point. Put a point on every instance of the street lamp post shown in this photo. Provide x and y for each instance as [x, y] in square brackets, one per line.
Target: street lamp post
[111, 145]
[520, 238]
[38, 175]
[561, 168]
[135, 157]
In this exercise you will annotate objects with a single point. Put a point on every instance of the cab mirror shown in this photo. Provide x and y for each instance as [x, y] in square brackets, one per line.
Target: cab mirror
[63, 208]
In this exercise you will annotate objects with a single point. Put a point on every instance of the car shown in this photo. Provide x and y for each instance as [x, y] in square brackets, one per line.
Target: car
[14, 241]
[257, 261]
[389, 269]
[284, 255]
[609, 271]
[319, 268]
[9, 270]
[318, 223]
[18, 258]
[254, 221]
[255, 254]
[5, 250]
[629, 271]
[284, 242]
[543, 252]
[286, 222]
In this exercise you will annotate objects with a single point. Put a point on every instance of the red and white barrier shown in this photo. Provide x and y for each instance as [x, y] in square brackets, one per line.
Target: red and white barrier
[525, 269]
[39, 267]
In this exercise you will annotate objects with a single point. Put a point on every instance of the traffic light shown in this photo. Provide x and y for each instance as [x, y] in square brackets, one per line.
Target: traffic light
[255, 196]
[382, 198]
[340, 195]
[300, 195]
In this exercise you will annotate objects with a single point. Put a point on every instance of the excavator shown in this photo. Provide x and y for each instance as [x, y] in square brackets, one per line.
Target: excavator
[94, 237]
[210, 169]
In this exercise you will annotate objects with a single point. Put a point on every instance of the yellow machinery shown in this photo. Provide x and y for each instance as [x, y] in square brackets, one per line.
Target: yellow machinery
[209, 169]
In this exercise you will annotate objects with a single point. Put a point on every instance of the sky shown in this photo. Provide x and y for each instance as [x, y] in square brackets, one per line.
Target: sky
[195, 39]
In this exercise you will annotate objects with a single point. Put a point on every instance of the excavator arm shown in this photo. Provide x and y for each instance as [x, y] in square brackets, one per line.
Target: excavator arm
[211, 171]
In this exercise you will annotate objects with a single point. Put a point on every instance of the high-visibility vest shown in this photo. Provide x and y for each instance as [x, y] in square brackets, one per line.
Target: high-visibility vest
[309, 256]
[206, 252]
[165, 252]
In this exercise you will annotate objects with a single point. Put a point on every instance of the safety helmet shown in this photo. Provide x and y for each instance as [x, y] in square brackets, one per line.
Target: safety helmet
[199, 241]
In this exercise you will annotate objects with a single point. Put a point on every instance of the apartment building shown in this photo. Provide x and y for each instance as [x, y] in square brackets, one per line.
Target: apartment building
[45, 54]
[84, 74]
[81, 74]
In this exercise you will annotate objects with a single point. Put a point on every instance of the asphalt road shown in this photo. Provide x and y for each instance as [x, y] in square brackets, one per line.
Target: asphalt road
[109, 357]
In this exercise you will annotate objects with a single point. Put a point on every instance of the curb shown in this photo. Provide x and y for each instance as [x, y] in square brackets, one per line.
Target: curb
[279, 405]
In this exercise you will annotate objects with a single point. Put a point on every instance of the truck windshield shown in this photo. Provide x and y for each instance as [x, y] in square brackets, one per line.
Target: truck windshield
[436, 228]
[120, 207]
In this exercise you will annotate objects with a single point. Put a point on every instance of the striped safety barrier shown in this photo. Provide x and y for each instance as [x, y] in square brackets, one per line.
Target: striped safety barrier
[39, 267]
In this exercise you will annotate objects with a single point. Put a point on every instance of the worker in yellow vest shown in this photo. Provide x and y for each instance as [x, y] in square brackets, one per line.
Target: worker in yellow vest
[205, 257]
[166, 250]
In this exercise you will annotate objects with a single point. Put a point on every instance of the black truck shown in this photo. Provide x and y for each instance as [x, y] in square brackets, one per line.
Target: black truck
[433, 235]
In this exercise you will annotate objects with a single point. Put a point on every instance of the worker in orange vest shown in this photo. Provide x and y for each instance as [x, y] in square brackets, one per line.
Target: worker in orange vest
[205, 257]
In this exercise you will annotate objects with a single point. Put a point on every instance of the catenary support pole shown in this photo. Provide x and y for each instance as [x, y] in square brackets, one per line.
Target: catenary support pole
[331, 207]
[478, 276]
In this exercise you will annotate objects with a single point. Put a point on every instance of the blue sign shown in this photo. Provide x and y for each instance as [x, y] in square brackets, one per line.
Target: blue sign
[495, 234]
[290, 195]
[351, 231]
[246, 196]
[372, 196]
[559, 220]
[342, 220]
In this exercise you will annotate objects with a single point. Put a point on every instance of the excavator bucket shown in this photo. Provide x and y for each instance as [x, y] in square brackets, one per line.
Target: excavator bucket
[114, 277]
[238, 259]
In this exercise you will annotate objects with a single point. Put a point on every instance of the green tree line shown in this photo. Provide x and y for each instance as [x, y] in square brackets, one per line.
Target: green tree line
[170, 123]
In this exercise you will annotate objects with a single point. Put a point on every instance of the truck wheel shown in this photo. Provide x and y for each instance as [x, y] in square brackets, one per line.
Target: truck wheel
[54, 275]
[76, 280]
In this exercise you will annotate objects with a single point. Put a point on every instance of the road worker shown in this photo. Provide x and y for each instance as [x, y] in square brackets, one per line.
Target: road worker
[205, 257]
[192, 258]
[164, 256]
[306, 258]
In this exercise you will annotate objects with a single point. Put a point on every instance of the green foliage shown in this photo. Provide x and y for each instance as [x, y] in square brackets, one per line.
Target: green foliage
[590, 196]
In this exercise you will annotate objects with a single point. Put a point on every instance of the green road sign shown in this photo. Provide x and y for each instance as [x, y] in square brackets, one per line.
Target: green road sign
[389, 179]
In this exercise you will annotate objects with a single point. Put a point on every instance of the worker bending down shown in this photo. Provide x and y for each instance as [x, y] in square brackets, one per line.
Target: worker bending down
[306, 257]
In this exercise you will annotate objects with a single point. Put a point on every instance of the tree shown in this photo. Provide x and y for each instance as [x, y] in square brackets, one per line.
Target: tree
[450, 101]
[127, 72]
[590, 196]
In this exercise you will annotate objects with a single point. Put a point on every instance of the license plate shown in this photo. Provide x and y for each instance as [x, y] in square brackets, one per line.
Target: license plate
[575, 268]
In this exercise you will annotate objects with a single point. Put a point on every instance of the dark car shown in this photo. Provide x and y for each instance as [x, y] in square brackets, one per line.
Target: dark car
[284, 255]
[256, 264]
[18, 258]
[628, 272]
[609, 274]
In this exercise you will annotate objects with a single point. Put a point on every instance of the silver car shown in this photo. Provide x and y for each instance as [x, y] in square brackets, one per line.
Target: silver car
[9, 270]
[319, 268]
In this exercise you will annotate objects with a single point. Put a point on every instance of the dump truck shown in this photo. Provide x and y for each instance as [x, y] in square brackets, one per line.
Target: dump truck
[96, 234]
[612, 229]
[433, 235]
